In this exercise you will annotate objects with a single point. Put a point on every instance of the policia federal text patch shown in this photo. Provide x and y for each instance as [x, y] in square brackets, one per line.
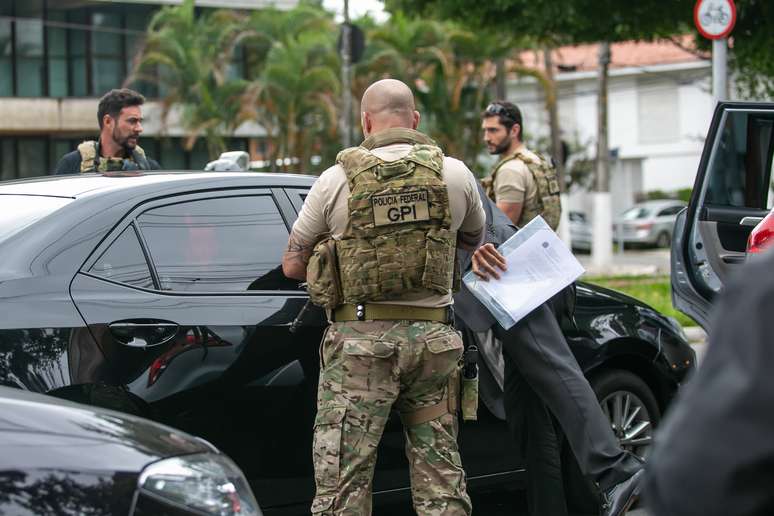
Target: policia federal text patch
[400, 207]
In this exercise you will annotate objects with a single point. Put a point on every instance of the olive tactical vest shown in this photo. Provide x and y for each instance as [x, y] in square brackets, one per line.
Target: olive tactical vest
[398, 243]
[92, 162]
[546, 201]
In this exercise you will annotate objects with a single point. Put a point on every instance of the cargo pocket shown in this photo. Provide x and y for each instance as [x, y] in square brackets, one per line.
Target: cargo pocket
[326, 448]
[445, 351]
[359, 270]
[366, 364]
[439, 260]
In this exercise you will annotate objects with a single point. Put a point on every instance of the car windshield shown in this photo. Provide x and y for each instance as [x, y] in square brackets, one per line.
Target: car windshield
[19, 211]
[637, 212]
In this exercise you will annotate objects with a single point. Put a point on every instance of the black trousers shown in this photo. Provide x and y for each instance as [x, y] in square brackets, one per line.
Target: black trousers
[539, 440]
[537, 355]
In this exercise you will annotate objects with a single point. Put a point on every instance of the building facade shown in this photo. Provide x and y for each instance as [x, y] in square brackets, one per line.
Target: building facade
[659, 109]
[57, 57]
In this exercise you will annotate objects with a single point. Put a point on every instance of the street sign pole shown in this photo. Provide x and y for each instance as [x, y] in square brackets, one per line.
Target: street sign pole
[719, 69]
[715, 20]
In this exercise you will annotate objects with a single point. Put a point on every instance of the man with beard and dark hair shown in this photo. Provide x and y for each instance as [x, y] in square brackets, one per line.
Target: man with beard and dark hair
[120, 122]
[522, 184]
[545, 394]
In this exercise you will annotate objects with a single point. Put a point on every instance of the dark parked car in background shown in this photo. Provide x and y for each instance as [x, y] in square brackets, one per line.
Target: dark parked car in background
[161, 295]
[59, 457]
[731, 196]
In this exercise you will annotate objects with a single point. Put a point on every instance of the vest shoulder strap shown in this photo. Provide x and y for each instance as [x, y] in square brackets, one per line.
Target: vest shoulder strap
[356, 160]
[428, 156]
[138, 155]
[88, 152]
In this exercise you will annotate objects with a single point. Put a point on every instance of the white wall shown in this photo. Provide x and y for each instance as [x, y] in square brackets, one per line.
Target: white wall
[658, 119]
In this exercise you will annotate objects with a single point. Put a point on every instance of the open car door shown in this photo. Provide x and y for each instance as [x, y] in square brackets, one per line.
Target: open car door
[732, 193]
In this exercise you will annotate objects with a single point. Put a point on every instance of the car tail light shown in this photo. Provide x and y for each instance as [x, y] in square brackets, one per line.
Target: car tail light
[762, 236]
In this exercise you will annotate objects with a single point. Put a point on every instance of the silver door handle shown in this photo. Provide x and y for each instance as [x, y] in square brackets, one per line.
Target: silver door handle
[750, 221]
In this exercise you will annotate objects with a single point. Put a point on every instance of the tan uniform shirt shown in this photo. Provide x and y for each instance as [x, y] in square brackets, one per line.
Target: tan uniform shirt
[326, 208]
[514, 182]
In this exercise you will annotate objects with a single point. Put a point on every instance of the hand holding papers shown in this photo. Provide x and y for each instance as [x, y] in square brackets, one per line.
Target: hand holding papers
[538, 265]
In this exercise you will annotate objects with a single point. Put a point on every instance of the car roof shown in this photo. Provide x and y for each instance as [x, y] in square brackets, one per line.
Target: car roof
[74, 186]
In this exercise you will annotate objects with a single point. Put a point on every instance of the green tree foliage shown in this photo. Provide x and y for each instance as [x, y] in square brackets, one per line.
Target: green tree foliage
[752, 41]
[563, 21]
[188, 56]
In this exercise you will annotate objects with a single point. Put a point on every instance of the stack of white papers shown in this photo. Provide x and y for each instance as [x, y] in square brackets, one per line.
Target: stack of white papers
[539, 266]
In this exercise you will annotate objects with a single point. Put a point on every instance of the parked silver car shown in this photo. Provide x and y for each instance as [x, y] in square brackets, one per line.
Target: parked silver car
[580, 231]
[648, 223]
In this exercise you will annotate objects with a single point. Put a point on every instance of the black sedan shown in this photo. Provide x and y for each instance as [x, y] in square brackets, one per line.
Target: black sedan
[162, 295]
[58, 457]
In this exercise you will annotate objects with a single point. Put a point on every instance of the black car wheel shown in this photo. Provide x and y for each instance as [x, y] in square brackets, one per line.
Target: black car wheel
[663, 240]
[631, 408]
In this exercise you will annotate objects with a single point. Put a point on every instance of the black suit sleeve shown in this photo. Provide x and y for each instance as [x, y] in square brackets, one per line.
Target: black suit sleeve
[714, 455]
[69, 164]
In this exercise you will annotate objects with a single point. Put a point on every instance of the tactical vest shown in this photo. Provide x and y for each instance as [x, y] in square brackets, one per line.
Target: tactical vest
[398, 243]
[546, 201]
[91, 161]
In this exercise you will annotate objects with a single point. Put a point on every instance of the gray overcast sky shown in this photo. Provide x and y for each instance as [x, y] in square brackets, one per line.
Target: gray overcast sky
[357, 8]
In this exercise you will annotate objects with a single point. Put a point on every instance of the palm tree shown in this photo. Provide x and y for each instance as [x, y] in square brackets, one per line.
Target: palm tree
[188, 56]
[294, 92]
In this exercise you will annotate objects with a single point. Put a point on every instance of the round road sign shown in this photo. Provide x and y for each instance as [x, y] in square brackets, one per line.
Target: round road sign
[714, 18]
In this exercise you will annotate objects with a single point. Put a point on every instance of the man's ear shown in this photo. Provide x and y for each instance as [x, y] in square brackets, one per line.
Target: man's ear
[107, 120]
[415, 122]
[516, 132]
[365, 123]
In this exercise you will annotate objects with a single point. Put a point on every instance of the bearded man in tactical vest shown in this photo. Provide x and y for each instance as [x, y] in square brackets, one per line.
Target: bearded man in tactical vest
[376, 242]
[522, 184]
[120, 124]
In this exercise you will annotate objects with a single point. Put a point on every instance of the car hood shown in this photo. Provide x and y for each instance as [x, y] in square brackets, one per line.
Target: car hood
[41, 432]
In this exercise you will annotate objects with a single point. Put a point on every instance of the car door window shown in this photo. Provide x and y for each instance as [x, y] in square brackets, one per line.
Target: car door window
[740, 170]
[124, 261]
[225, 244]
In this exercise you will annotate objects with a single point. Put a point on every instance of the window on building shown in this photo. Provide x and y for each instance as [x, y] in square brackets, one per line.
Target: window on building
[78, 44]
[124, 261]
[32, 157]
[6, 51]
[56, 47]
[29, 44]
[224, 244]
[658, 112]
[7, 158]
[107, 50]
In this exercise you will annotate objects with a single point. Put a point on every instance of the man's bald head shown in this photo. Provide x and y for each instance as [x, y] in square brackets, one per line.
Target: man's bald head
[388, 103]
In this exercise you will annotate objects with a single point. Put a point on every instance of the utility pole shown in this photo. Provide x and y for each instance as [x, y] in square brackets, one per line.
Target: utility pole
[602, 234]
[346, 80]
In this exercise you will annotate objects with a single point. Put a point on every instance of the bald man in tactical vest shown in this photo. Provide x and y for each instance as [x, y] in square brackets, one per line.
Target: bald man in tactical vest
[376, 242]
[120, 124]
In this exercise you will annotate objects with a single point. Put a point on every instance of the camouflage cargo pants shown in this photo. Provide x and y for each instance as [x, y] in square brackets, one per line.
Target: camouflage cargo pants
[367, 368]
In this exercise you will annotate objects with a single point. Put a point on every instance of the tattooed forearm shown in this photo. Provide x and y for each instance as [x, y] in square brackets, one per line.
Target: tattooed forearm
[296, 258]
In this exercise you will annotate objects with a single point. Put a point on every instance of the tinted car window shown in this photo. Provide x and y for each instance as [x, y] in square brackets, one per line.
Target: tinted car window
[227, 244]
[673, 210]
[635, 213]
[740, 166]
[124, 261]
[19, 211]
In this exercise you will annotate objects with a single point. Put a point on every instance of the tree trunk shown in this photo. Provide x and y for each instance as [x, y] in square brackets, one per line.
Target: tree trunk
[346, 80]
[602, 244]
[501, 87]
[552, 106]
